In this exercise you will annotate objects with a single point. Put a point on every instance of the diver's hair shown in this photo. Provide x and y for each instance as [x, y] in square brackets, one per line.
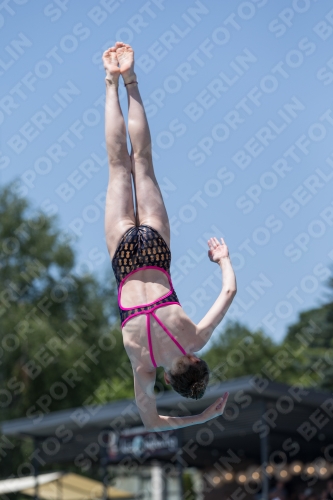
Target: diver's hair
[193, 382]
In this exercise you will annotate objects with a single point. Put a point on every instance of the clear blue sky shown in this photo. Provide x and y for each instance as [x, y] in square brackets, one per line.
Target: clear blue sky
[239, 99]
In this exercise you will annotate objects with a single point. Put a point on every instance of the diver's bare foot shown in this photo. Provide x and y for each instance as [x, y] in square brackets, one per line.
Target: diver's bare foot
[125, 55]
[110, 62]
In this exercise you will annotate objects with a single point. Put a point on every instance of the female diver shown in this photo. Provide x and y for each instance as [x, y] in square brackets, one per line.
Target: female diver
[156, 331]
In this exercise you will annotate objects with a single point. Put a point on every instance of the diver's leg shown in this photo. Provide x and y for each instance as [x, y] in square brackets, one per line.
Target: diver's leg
[149, 202]
[119, 211]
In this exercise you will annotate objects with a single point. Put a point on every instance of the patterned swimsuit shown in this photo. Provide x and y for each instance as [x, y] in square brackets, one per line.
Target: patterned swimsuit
[142, 247]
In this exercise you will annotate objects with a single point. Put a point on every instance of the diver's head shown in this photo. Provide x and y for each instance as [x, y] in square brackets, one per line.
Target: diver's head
[189, 376]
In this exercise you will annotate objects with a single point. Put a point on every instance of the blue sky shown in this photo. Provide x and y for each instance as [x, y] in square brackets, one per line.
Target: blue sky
[239, 99]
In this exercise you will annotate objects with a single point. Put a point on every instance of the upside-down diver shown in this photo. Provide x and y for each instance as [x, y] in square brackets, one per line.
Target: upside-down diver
[156, 330]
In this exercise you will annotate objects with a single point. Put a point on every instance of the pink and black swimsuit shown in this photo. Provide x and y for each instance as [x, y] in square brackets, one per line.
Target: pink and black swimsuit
[142, 247]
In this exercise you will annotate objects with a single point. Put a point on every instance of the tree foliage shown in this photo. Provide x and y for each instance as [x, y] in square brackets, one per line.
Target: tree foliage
[61, 346]
[305, 356]
[237, 351]
[58, 339]
[313, 334]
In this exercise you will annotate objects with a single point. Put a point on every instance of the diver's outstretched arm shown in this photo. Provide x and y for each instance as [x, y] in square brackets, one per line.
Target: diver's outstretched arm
[219, 253]
[145, 399]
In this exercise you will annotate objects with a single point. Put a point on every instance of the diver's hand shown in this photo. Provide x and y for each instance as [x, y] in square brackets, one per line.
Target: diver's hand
[216, 409]
[217, 251]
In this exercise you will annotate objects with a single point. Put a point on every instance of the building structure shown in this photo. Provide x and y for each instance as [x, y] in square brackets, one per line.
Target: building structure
[269, 431]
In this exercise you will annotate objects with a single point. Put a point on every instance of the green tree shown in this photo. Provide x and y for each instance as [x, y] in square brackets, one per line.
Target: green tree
[60, 336]
[188, 487]
[237, 352]
[312, 328]
[312, 335]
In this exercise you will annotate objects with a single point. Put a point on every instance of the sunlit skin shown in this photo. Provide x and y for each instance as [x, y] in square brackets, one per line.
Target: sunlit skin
[147, 285]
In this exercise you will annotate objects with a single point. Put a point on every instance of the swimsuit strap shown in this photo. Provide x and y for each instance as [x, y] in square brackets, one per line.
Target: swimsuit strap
[149, 341]
[151, 313]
